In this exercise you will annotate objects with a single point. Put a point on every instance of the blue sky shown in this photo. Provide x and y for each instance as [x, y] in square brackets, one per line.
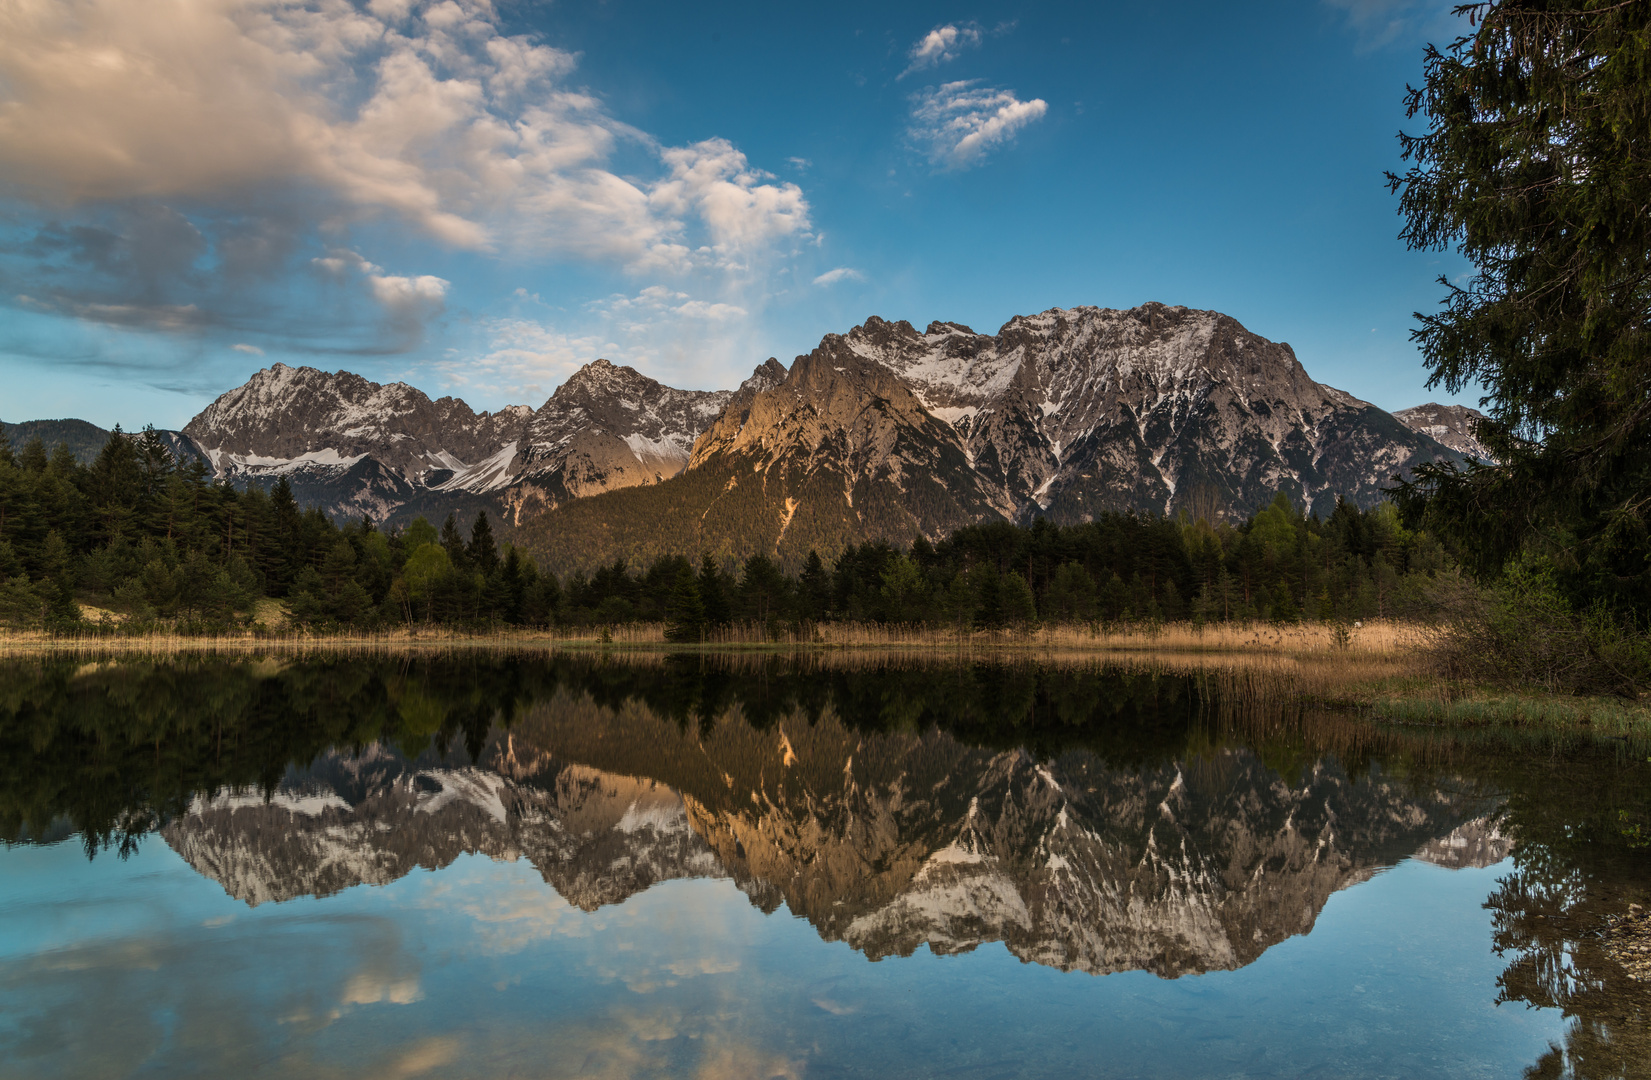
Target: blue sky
[478, 198]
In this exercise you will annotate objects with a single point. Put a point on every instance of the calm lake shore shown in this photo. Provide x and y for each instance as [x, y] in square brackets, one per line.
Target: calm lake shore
[1380, 670]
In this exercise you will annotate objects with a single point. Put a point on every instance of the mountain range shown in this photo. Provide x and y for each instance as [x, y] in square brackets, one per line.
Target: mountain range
[882, 432]
[886, 841]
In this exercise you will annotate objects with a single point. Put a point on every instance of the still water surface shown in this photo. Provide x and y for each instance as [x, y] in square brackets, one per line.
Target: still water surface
[529, 867]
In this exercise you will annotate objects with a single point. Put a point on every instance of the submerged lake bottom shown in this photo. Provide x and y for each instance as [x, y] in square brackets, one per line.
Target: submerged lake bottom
[664, 866]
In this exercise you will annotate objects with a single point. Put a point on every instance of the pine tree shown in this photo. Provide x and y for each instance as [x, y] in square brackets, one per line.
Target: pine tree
[713, 592]
[685, 611]
[814, 587]
[457, 553]
[762, 591]
[1536, 166]
[1018, 607]
[114, 484]
[483, 553]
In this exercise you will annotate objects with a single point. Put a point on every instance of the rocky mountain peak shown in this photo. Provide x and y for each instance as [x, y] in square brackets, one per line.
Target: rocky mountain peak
[843, 445]
[285, 418]
[601, 375]
[608, 426]
[1073, 411]
[832, 399]
[768, 374]
[1452, 425]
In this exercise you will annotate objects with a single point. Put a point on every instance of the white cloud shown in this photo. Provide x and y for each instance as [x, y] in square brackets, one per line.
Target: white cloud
[408, 303]
[742, 214]
[251, 350]
[408, 293]
[338, 260]
[426, 111]
[959, 122]
[941, 45]
[841, 273]
[646, 307]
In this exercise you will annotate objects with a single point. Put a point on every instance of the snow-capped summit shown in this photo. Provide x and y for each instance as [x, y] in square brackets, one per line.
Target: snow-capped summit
[1075, 411]
[285, 418]
[354, 446]
[883, 432]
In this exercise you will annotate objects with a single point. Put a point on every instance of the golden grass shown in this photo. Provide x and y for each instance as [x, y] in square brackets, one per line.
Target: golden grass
[15, 643]
[1382, 671]
[1262, 662]
[1384, 641]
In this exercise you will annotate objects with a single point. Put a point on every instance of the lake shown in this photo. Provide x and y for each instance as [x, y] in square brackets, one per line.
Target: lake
[821, 866]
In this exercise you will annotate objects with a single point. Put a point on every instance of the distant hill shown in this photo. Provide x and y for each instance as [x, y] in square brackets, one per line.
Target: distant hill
[84, 439]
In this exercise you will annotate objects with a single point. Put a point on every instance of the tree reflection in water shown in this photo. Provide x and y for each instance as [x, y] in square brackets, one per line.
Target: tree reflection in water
[1580, 870]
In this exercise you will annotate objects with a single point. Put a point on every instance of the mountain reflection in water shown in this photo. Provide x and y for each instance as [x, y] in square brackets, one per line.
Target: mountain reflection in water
[885, 840]
[1090, 820]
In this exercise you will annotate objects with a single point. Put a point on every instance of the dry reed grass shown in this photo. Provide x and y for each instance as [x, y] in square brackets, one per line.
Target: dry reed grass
[1382, 670]
[1388, 641]
[1263, 663]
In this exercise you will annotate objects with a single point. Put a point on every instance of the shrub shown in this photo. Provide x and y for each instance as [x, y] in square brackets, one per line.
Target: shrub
[1523, 632]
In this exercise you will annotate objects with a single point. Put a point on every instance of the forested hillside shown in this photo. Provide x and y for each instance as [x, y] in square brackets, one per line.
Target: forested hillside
[83, 439]
[145, 542]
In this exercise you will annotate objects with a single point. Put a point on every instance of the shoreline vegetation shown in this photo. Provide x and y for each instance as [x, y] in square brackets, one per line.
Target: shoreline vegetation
[1353, 610]
[1385, 671]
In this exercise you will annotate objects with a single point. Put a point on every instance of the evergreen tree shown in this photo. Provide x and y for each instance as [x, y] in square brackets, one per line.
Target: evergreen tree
[114, 484]
[685, 612]
[34, 458]
[713, 592]
[1536, 165]
[814, 588]
[762, 591]
[287, 526]
[457, 553]
[482, 552]
[1017, 605]
[1071, 594]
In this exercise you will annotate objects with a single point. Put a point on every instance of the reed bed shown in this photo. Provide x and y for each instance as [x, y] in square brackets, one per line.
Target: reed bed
[1382, 671]
[1384, 637]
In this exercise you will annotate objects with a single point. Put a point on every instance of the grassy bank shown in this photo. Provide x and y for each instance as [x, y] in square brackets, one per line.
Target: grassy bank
[1382, 670]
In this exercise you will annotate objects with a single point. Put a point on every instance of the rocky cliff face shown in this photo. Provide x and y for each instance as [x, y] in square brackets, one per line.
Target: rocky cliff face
[885, 841]
[1075, 411]
[356, 447]
[1451, 425]
[881, 432]
[844, 441]
[286, 417]
[610, 427]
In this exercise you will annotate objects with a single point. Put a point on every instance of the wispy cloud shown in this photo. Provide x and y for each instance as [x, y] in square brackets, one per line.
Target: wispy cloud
[670, 334]
[250, 350]
[941, 45]
[657, 300]
[958, 123]
[841, 273]
[522, 360]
